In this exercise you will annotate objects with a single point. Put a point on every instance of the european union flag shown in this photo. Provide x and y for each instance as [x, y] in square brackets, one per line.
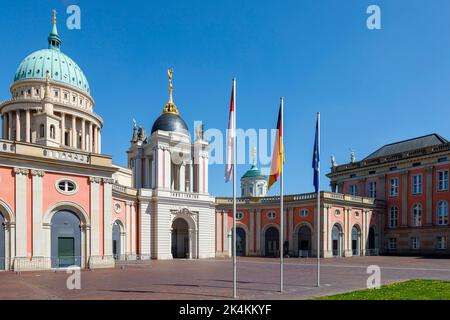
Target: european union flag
[316, 156]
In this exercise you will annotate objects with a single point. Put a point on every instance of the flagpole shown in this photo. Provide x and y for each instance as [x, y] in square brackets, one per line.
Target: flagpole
[281, 200]
[318, 201]
[234, 191]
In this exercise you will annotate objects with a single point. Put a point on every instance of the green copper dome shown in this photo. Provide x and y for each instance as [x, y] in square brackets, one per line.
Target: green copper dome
[59, 66]
[254, 172]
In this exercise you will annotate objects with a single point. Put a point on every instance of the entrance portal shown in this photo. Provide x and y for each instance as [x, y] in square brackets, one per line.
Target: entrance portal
[304, 241]
[116, 245]
[336, 236]
[272, 242]
[65, 240]
[180, 239]
[240, 242]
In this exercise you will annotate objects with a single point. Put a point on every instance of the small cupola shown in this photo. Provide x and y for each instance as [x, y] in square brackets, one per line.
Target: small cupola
[54, 40]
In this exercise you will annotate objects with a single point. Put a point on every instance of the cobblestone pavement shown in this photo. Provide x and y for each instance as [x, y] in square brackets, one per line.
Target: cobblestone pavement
[258, 278]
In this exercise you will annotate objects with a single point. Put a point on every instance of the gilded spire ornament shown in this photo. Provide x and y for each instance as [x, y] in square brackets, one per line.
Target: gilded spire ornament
[254, 155]
[170, 107]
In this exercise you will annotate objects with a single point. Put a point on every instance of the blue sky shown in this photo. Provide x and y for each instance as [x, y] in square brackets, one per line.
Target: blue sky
[371, 87]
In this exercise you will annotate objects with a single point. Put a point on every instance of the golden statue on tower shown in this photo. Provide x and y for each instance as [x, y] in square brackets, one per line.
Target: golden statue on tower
[170, 107]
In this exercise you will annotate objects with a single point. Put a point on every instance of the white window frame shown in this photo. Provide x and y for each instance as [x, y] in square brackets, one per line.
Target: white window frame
[65, 191]
[415, 243]
[441, 243]
[393, 217]
[393, 187]
[372, 192]
[442, 217]
[417, 184]
[239, 215]
[417, 214]
[117, 208]
[392, 243]
[354, 190]
[442, 182]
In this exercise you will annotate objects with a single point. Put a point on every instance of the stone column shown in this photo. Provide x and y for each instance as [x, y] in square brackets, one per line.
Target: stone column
[91, 138]
[21, 211]
[4, 126]
[95, 215]
[37, 211]
[429, 196]
[290, 220]
[10, 122]
[191, 176]
[99, 140]
[252, 232]
[326, 232]
[404, 186]
[147, 174]
[107, 216]
[83, 134]
[347, 233]
[258, 232]
[364, 231]
[133, 229]
[27, 126]
[206, 173]
[63, 129]
[95, 137]
[17, 137]
[226, 250]
[128, 226]
[167, 168]
[182, 176]
[74, 132]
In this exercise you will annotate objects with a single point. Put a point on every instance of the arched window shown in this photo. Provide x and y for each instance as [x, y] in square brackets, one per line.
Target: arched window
[393, 217]
[52, 132]
[417, 215]
[42, 131]
[442, 213]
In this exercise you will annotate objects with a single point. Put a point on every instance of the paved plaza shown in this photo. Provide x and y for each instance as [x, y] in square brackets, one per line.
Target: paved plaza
[258, 278]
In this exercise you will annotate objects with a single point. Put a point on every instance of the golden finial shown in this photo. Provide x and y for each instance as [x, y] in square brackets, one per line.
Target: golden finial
[254, 155]
[170, 107]
[54, 16]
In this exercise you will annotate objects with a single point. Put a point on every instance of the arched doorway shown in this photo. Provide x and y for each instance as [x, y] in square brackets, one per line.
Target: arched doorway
[2, 242]
[65, 240]
[272, 245]
[240, 242]
[356, 241]
[180, 238]
[116, 241]
[336, 238]
[304, 241]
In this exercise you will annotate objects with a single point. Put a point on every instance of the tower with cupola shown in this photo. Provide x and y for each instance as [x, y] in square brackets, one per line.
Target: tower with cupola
[171, 173]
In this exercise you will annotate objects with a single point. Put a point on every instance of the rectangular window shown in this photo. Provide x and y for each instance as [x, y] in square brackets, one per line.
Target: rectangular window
[417, 184]
[415, 243]
[442, 181]
[353, 190]
[441, 243]
[393, 187]
[372, 189]
[392, 243]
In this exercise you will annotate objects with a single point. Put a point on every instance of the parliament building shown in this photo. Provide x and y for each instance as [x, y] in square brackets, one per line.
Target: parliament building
[63, 202]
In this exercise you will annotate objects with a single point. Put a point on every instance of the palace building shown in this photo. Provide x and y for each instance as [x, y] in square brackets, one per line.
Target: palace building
[63, 202]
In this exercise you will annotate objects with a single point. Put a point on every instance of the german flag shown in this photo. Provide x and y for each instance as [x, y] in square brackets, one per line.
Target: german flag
[278, 150]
